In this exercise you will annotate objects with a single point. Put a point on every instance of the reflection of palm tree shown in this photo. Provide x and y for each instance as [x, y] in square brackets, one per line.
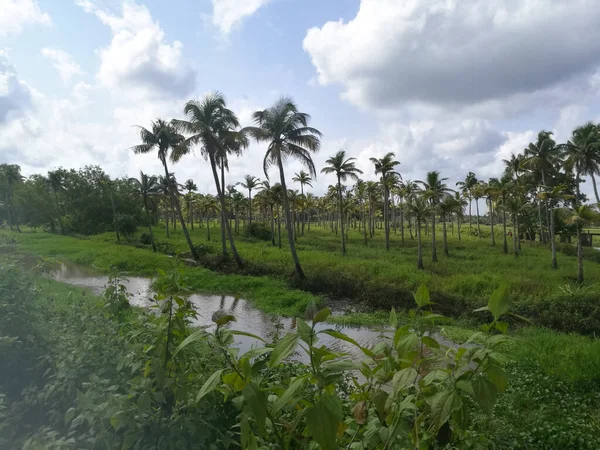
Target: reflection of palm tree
[235, 303]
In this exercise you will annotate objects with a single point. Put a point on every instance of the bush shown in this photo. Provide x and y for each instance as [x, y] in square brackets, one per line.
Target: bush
[165, 247]
[126, 225]
[145, 239]
[260, 231]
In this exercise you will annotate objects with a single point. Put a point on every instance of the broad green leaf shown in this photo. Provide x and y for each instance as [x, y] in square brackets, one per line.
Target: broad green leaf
[407, 344]
[442, 405]
[525, 319]
[461, 416]
[322, 315]
[379, 399]
[222, 318]
[284, 348]
[485, 393]
[422, 296]
[483, 308]
[257, 401]
[243, 333]
[498, 302]
[435, 375]
[337, 366]
[253, 353]
[502, 327]
[343, 337]
[323, 420]
[393, 318]
[305, 331]
[404, 379]
[311, 310]
[291, 394]
[498, 376]
[466, 387]
[196, 336]
[210, 384]
[430, 342]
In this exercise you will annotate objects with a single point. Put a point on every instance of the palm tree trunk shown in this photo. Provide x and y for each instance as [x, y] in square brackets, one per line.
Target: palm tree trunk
[221, 195]
[539, 205]
[272, 227]
[341, 207]
[552, 240]
[114, 211]
[385, 215]
[149, 223]
[207, 226]
[458, 225]
[288, 218]
[505, 248]
[595, 187]
[579, 255]
[434, 256]
[364, 217]
[401, 220]
[477, 207]
[445, 236]
[515, 236]
[8, 215]
[167, 219]
[492, 222]
[60, 222]
[250, 209]
[470, 203]
[419, 246]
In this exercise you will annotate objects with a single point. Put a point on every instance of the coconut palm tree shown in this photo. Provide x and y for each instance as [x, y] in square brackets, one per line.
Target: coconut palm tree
[304, 179]
[434, 190]
[250, 182]
[447, 207]
[343, 168]
[582, 153]
[467, 187]
[580, 216]
[288, 135]
[478, 192]
[56, 184]
[373, 193]
[214, 127]
[491, 193]
[555, 194]
[164, 138]
[385, 167]
[514, 166]
[419, 207]
[210, 205]
[147, 187]
[190, 187]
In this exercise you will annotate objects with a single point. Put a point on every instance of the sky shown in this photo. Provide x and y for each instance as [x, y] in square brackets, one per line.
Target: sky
[447, 85]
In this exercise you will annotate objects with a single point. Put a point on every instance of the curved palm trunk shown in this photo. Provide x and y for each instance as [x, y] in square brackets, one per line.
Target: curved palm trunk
[419, 246]
[221, 195]
[223, 211]
[595, 187]
[477, 208]
[339, 189]
[288, 218]
[445, 236]
[149, 223]
[60, 222]
[552, 240]
[492, 222]
[434, 256]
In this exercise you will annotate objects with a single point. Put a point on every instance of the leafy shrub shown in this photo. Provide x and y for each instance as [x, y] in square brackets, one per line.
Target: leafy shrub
[126, 225]
[145, 239]
[260, 231]
[166, 247]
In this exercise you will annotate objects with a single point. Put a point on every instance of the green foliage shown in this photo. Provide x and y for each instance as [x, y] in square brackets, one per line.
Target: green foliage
[259, 231]
[145, 239]
[126, 224]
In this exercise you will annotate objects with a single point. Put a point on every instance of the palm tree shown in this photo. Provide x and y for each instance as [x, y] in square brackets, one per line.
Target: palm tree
[579, 216]
[434, 190]
[190, 187]
[287, 132]
[447, 207]
[491, 192]
[56, 183]
[213, 126]
[477, 192]
[164, 138]
[373, 193]
[460, 207]
[360, 188]
[250, 182]
[467, 187]
[210, 205]
[583, 155]
[343, 168]
[514, 166]
[10, 175]
[419, 207]
[554, 194]
[502, 188]
[385, 166]
[304, 179]
[147, 187]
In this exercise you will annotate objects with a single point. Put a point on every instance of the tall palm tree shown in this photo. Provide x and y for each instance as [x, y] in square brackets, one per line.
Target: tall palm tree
[467, 187]
[583, 155]
[419, 207]
[447, 207]
[55, 181]
[210, 205]
[478, 192]
[215, 128]
[190, 187]
[147, 187]
[434, 190]
[385, 166]
[579, 216]
[491, 192]
[250, 182]
[514, 166]
[554, 195]
[343, 168]
[10, 175]
[164, 138]
[304, 179]
[288, 135]
[360, 188]
[373, 193]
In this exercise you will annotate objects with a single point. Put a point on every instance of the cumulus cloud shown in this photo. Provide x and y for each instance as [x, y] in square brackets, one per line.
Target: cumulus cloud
[15, 14]
[228, 13]
[15, 94]
[139, 60]
[63, 62]
[455, 52]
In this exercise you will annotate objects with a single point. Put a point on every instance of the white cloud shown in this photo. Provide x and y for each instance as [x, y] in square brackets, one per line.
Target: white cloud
[228, 13]
[450, 53]
[139, 61]
[63, 63]
[15, 14]
[15, 94]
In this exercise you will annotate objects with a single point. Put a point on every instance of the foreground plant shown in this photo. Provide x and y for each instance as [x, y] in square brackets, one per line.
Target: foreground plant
[410, 391]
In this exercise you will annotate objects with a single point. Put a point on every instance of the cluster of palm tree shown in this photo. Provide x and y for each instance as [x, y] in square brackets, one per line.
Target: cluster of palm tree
[546, 176]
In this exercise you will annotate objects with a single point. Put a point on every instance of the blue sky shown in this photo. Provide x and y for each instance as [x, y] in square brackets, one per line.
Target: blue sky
[446, 85]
